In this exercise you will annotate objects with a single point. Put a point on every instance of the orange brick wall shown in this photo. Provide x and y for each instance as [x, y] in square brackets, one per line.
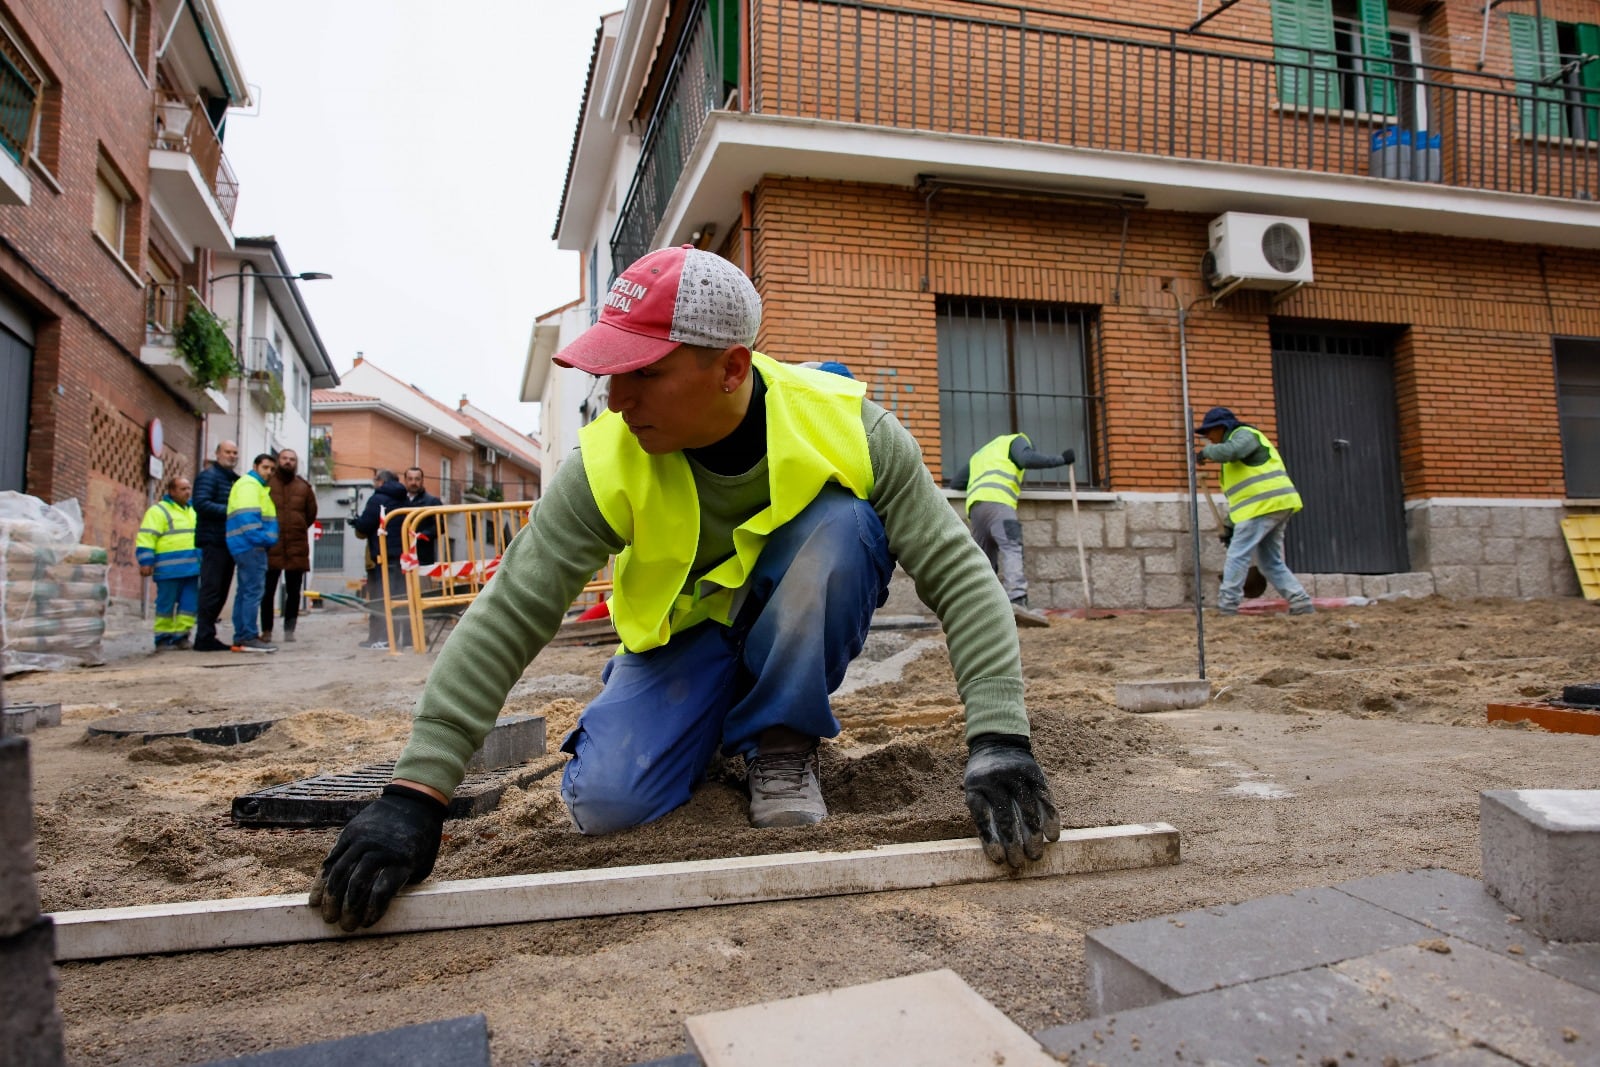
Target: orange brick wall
[364, 440]
[88, 311]
[840, 268]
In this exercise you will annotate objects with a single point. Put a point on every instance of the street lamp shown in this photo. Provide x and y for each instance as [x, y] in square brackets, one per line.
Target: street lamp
[303, 276]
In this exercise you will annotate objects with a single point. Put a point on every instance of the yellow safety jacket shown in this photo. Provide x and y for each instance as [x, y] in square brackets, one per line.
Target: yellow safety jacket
[1258, 490]
[992, 476]
[814, 436]
[166, 540]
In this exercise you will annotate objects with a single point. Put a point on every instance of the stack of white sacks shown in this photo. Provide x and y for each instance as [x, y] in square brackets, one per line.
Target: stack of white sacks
[53, 599]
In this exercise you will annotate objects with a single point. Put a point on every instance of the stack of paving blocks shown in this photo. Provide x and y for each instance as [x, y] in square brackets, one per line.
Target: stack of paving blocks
[18, 720]
[1418, 967]
[30, 1026]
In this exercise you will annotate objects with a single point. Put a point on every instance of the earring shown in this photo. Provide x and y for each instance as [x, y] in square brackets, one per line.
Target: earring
[727, 388]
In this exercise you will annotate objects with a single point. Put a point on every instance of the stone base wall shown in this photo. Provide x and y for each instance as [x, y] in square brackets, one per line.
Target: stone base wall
[1138, 552]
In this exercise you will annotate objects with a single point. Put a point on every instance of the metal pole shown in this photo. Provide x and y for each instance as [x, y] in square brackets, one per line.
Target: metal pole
[1194, 494]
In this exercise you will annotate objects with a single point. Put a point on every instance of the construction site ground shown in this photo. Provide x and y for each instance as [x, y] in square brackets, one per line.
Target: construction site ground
[1341, 745]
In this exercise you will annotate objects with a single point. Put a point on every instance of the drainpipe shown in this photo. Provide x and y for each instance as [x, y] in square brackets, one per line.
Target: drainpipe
[746, 252]
[245, 269]
[1194, 496]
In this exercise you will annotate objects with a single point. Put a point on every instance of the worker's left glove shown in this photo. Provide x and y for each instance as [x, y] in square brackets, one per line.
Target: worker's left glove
[1009, 798]
[1068, 458]
[1226, 536]
[390, 843]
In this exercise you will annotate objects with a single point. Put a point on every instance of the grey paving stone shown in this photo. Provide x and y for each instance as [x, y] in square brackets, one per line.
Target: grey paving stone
[1462, 907]
[1541, 857]
[30, 1025]
[515, 739]
[1140, 963]
[1506, 1006]
[1310, 1017]
[19, 892]
[462, 1042]
[18, 721]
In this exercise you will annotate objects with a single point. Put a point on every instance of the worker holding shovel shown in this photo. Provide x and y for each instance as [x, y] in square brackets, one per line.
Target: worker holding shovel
[756, 510]
[1261, 501]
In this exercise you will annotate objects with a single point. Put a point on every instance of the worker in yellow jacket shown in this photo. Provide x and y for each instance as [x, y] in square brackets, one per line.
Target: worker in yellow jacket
[166, 551]
[756, 510]
[1261, 501]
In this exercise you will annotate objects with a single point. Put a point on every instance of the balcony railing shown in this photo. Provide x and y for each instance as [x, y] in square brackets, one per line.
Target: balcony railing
[163, 310]
[264, 371]
[180, 124]
[694, 88]
[1020, 73]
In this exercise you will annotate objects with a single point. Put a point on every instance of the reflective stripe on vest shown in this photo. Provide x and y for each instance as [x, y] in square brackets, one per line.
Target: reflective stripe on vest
[166, 541]
[1258, 490]
[814, 436]
[992, 476]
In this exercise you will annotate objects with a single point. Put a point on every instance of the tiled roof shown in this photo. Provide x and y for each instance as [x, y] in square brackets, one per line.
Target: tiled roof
[333, 396]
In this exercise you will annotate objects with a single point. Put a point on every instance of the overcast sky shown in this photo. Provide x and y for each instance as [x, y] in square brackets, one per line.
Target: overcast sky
[416, 151]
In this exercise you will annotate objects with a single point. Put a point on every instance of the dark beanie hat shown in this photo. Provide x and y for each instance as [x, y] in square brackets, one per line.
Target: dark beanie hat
[1217, 417]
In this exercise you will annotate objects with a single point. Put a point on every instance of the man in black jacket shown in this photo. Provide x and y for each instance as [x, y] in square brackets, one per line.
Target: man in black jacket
[388, 496]
[210, 502]
[417, 496]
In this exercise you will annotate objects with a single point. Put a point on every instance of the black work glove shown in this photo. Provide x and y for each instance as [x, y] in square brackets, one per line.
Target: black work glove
[1068, 458]
[1009, 798]
[392, 842]
[1226, 536]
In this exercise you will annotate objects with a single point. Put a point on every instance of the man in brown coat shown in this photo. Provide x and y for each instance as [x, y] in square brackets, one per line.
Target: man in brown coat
[296, 502]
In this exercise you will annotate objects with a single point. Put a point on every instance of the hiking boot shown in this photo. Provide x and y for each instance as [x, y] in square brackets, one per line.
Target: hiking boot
[785, 789]
[210, 644]
[254, 644]
[1304, 607]
[288, 635]
[181, 644]
[378, 646]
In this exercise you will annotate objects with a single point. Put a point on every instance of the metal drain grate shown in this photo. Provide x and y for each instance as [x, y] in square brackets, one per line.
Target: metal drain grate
[334, 799]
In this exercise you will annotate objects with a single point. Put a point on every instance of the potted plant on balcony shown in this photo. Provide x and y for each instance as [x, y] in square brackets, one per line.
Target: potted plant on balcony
[203, 343]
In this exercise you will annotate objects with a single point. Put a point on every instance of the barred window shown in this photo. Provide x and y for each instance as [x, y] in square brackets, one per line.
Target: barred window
[1016, 368]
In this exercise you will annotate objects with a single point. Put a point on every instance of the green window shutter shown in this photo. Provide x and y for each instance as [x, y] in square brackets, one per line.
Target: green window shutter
[1375, 52]
[1302, 31]
[1534, 57]
[725, 35]
[1589, 77]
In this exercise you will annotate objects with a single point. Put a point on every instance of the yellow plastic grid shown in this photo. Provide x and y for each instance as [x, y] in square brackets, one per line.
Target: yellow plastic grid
[1583, 542]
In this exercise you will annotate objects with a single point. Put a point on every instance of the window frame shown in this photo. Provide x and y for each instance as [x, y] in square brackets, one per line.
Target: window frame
[1060, 418]
[106, 178]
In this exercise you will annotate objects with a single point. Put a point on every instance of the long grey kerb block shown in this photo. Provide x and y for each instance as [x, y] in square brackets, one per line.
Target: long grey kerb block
[1541, 858]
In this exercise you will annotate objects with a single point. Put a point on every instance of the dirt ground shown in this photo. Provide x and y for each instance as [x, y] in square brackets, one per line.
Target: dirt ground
[1341, 745]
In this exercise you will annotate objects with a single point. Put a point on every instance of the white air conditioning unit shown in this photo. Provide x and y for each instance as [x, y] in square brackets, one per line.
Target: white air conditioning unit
[1257, 252]
[490, 455]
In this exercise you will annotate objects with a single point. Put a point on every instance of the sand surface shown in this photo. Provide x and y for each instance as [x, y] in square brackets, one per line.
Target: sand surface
[1337, 746]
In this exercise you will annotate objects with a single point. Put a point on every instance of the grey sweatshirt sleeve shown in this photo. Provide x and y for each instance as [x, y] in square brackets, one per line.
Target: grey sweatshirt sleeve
[951, 576]
[544, 569]
[1236, 447]
[1026, 457]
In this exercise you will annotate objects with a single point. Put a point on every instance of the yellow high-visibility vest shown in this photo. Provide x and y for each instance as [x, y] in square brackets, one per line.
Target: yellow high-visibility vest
[992, 476]
[814, 436]
[1259, 490]
[166, 540]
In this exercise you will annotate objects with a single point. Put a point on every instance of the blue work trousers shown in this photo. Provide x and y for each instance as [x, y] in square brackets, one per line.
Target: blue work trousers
[643, 744]
[1261, 537]
[251, 571]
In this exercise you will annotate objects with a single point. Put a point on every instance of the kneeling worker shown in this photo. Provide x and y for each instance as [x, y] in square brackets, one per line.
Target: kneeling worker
[756, 510]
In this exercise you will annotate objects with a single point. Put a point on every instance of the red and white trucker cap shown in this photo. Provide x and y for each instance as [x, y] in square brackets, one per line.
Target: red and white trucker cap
[671, 297]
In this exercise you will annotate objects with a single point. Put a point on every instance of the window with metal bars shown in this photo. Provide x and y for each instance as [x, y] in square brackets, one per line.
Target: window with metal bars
[1017, 368]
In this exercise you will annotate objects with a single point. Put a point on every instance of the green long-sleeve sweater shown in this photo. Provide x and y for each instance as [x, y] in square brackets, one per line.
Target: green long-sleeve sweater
[567, 540]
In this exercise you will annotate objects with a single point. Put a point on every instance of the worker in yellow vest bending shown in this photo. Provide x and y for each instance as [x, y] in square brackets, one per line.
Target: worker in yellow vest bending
[994, 485]
[756, 510]
[165, 551]
[1261, 501]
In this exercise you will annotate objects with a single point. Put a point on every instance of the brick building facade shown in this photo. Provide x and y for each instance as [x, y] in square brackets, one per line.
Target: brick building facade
[90, 218]
[998, 215]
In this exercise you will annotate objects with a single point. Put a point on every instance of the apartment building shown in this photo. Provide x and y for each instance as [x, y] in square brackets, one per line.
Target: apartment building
[281, 356]
[115, 196]
[1368, 227]
[375, 420]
